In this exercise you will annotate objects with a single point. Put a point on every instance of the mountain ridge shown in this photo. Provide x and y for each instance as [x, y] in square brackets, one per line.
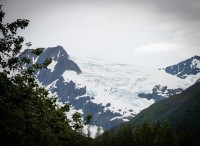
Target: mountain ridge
[110, 92]
[187, 69]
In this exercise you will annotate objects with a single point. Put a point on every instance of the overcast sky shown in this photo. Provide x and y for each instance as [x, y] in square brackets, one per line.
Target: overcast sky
[153, 33]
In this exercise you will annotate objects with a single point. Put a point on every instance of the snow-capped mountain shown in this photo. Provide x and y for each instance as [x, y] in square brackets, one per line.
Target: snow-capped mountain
[111, 92]
[188, 69]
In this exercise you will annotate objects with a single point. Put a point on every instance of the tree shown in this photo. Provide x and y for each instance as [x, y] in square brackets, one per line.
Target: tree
[98, 133]
[78, 123]
[29, 116]
[88, 131]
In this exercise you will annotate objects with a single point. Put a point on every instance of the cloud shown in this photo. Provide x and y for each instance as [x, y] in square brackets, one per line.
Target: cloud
[125, 27]
[180, 49]
[163, 47]
[183, 9]
[192, 36]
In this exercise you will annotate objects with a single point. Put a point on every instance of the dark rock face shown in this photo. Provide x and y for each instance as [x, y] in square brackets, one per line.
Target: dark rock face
[160, 92]
[63, 63]
[184, 68]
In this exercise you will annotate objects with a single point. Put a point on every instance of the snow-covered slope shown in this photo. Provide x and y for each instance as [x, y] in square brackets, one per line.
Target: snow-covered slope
[188, 69]
[119, 87]
[120, 84]
[111, 92]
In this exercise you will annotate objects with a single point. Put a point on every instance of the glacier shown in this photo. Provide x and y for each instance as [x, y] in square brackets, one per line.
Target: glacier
[107, 90]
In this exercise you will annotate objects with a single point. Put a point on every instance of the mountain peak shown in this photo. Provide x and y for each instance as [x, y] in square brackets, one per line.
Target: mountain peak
[196, 57]
[185, 69]
[60, 63]
[56, 51]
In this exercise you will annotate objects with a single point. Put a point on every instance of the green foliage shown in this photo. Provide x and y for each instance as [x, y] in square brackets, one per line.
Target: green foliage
[29, 116]
[98, 133]
[147, 135]
[78, 123]
[37, 51]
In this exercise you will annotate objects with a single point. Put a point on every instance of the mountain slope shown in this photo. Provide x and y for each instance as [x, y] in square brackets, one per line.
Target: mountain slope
[188, 69]
[179, 110]
[117, 87]
[111, 92]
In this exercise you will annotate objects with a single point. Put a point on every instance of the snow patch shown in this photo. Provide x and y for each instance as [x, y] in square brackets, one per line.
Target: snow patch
[195, 63]
[52, 65]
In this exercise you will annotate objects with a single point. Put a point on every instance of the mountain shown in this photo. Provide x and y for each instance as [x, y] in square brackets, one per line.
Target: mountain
[113, 93]
[182, 110]
[188, 69]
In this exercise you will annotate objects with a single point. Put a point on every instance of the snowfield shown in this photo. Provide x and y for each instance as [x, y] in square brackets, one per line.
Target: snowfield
[116, 86]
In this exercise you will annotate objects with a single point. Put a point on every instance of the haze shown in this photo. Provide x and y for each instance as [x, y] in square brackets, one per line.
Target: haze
[146, 33]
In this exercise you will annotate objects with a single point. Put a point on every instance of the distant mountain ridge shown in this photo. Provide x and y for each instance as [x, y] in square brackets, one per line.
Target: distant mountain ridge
[160, 93]
[186, 69]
